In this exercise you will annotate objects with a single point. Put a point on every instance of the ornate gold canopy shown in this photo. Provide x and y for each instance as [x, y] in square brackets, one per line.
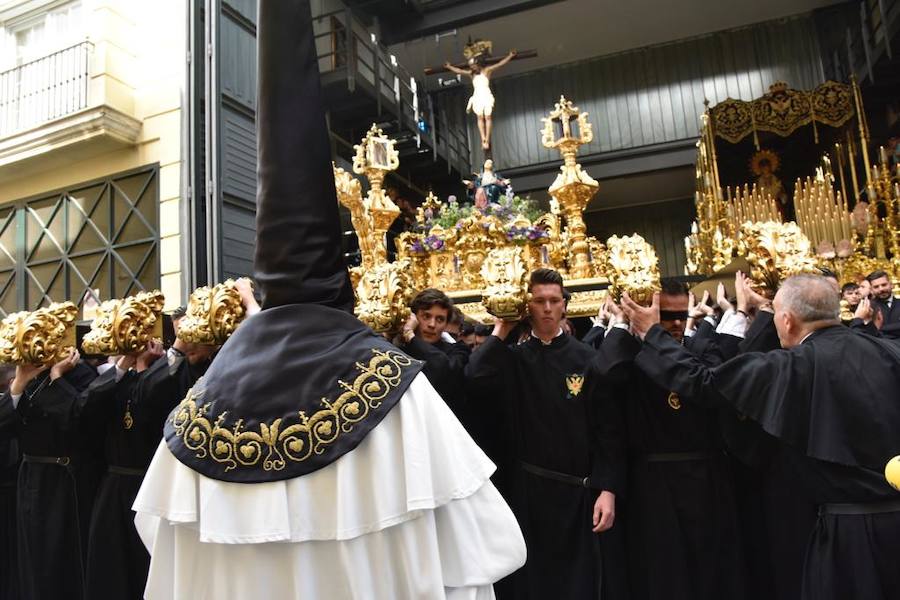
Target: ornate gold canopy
[849, 226]
[783, 110]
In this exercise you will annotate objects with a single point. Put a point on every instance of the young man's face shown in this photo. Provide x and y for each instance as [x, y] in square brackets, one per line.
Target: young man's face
[851, 296]
[432, 323]
[881, 288]
[547, 309]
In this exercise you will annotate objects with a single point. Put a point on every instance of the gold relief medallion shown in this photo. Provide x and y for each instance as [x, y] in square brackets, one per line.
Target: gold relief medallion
[674, 401]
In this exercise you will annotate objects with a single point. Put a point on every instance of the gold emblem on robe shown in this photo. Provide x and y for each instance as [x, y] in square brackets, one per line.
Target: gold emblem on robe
[674, 401]
[574, 383]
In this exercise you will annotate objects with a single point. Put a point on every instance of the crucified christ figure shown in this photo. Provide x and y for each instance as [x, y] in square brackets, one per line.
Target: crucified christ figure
[482, 101]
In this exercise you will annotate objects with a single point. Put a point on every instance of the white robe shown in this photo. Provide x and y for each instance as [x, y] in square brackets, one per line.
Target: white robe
[409, 514]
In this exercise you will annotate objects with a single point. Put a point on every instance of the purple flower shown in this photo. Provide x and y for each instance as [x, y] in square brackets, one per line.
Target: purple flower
[433, 242]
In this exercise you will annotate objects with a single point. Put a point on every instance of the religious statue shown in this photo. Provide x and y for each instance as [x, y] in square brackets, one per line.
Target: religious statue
[482, 100]
[764, 164]
[487, 186]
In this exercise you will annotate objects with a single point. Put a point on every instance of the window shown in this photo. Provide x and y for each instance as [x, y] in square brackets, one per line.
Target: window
[44, 63]
[101, 235]
[43, 32]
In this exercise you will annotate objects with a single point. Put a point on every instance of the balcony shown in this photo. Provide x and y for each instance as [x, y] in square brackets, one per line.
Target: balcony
[47, 104]
[363, 83]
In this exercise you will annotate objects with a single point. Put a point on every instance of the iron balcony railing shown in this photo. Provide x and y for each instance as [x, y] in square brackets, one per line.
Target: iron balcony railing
[346, 48]
[45, 89]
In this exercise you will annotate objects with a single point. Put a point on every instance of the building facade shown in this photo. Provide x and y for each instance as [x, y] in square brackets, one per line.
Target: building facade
[91, 147]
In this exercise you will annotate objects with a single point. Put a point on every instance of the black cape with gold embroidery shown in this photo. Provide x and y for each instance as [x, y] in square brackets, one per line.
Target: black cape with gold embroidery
[294, 389]
[303, 382]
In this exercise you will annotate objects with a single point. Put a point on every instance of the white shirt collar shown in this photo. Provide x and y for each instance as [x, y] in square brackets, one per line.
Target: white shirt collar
[559, 333]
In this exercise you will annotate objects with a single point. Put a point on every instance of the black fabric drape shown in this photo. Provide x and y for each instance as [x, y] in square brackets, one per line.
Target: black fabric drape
[298, 244]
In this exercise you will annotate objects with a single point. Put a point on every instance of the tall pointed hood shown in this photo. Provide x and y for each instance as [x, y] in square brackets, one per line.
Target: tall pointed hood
[298, 245]
[302, 382]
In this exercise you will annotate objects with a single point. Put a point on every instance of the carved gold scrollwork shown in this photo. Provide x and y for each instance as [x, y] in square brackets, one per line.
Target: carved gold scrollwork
[634, 267]
[383, 296]
[213, 314]
[505, 294]
[775, 251]
[40, 337]
[125, 326]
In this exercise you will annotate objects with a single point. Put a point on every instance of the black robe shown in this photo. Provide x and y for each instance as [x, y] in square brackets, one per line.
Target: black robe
[535, 401]
[9, 470]
[777, 516]
[118, 562]
[830, 403]
[679, 512]
[594, 336]
[54, 501]
[445, 365]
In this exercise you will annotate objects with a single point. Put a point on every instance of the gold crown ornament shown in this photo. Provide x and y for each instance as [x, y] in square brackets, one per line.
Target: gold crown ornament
[125, 326]
[213, 313]
[505, 294]
[478, 49]
[633, 268]
[41, 337]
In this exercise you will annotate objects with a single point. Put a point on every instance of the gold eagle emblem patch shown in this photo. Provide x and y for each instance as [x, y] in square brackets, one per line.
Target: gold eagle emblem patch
[574, 383]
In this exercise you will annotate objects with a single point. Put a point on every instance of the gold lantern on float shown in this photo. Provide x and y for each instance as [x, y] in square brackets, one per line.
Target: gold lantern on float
[376, 157]
[776, 251]
[573, 187]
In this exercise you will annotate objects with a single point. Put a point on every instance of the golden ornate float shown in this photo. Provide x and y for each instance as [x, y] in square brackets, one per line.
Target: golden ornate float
[836, 219]
[480, 256]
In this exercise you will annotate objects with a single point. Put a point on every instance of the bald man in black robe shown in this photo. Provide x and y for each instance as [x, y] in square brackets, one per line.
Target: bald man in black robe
[829, 398]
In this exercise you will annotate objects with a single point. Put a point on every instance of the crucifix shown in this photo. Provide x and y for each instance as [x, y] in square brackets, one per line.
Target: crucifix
[479, 66]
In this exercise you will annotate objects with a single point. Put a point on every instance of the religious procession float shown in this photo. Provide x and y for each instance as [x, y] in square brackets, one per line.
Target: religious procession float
[842, 213]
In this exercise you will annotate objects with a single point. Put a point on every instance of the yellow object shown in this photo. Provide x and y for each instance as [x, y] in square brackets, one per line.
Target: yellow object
[40, 337]
[125, 326]
[213, 313]
[892, 472]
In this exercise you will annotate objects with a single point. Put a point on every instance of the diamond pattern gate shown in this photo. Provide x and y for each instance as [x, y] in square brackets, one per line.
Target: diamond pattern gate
[102, 235]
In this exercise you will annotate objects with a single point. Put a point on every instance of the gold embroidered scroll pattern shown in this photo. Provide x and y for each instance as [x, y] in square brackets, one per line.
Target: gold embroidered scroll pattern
[283, 440]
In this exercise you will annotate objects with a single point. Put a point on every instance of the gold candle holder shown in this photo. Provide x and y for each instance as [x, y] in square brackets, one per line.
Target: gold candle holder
[573, 187]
